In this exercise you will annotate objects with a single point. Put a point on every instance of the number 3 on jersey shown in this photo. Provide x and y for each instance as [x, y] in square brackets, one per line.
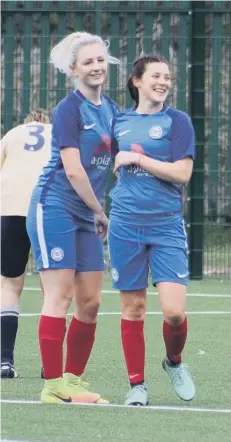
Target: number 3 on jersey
[36, 138]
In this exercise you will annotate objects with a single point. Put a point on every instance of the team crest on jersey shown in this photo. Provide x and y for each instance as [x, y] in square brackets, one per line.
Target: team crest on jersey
[155, 132]
[102, 157]
[114, 275]
[57, 254]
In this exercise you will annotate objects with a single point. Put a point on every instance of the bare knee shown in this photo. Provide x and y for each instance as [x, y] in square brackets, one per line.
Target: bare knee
[11, 289]
[172, 300]
[133, 305]
[88, 286]
[87, 310]
[174, 317]
[57, 302]
[92, 308]
[58, 289]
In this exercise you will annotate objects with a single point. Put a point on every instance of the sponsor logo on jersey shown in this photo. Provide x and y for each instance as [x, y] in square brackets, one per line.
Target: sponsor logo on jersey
[133, 168]
[124, 132]
[137, 148]
[102, 156]
[137, 170]
[182, 275]
[89, 126]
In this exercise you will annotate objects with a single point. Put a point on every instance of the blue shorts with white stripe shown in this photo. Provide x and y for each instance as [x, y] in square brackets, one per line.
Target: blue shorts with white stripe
[59, 241]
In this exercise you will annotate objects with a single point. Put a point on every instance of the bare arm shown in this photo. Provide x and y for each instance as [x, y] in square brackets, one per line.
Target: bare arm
[183, 152]
[178, 172]
[78, 178]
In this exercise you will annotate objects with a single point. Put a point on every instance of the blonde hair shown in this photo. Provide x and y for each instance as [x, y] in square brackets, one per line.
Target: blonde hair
[40, 115]
[63, 56]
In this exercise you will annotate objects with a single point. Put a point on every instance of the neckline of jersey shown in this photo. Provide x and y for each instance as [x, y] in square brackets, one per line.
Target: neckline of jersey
[83, 98]
[163, 111]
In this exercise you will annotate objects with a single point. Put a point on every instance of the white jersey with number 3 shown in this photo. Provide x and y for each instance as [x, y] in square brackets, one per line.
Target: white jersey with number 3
[25, 150]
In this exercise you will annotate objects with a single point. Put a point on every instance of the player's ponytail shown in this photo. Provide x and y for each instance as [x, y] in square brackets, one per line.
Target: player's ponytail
[133, 91]
[64, 55]
[138, 69]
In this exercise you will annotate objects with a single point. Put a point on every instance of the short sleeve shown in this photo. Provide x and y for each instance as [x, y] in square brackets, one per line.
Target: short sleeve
[66, 126]
[183, 139]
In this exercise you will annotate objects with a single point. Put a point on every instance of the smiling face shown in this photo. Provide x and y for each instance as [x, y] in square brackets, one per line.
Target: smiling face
[91, 65]
[155, 83]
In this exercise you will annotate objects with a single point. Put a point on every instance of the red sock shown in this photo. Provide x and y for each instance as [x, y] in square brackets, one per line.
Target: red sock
[51, 336]
[132, 334]
[174, 338]
[80, 340]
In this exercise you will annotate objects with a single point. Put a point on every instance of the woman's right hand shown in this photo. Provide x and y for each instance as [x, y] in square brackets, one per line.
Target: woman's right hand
[101, 224]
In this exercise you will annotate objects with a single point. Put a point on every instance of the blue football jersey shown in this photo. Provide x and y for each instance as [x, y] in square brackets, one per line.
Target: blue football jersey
[167, 136]
[80, 124]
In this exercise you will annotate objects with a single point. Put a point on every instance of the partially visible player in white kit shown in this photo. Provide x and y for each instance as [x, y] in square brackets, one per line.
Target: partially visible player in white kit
[25, 150]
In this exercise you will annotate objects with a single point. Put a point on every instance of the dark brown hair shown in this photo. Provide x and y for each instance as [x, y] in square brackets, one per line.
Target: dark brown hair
[40, 115]
[138, 69]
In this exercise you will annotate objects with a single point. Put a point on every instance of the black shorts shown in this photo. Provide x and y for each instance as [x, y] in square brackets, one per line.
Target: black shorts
[15, 246]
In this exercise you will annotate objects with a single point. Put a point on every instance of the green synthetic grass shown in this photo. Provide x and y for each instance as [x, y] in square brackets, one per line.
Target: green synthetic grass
[207, 353]
[72, 424]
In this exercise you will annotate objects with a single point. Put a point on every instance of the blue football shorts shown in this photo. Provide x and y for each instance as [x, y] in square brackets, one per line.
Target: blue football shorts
[58, 241]
[134, 251]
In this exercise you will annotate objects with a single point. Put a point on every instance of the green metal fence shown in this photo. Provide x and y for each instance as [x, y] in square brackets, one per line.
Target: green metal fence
[194, 36]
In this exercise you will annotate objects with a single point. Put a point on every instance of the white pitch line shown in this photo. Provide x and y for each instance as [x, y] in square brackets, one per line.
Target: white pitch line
[148, 407]
[110, 292]
[21, 440]
[147, 313]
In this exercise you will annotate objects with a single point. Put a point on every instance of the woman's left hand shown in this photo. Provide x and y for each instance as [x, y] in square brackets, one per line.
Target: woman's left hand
[125, 158]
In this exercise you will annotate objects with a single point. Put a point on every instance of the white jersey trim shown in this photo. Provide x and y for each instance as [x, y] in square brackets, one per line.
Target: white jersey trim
[41, 237]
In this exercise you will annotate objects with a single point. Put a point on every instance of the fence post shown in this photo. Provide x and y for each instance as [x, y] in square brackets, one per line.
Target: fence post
[8, 51]
[196, 190]
[97, 17]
